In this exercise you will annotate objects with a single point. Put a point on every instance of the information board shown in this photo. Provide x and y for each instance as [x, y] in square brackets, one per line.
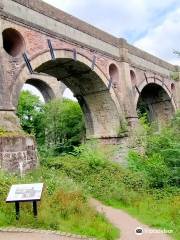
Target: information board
[25, 192]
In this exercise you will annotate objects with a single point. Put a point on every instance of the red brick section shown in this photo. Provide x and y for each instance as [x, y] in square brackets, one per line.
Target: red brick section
[36, 43]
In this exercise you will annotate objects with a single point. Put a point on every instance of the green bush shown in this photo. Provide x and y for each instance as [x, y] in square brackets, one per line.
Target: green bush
[153, 169]
[143, 189]
[160, 160]
[157, 171]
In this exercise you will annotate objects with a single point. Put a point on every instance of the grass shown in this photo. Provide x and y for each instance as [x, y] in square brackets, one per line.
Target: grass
[64, 207]
[69, 180]
[121, 188]
[161, 213]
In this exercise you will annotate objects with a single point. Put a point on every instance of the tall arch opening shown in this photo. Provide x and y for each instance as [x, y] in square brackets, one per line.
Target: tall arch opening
[101, 116]
[44, 89]
[155, 102]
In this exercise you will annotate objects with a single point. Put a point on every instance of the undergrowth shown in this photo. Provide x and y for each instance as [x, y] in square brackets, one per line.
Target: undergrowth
[148, 188]
[64, 206]
[122, 188]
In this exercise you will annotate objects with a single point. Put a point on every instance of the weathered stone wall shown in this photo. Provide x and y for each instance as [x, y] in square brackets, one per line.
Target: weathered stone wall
[16, 150]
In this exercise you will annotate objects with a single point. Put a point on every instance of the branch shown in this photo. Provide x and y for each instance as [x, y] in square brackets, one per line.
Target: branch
[176, 52]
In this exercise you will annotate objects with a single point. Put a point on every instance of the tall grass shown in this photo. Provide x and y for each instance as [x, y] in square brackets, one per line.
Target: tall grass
[148, 188]
[129, 188]
[64, 206]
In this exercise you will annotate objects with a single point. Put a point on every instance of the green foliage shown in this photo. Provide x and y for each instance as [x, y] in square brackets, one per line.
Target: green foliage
[98, 176]
[160, 161]
[29, 106]
[64, 124]
[2, 131]
[157, 171]
[64, 206]
[57, 125]
[90, 153]
[137, 189]
[152, 168]
[175, 76]
[123, 129]
[5, 133]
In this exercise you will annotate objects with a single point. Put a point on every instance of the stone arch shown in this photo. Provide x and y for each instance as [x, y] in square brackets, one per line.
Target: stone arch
[43, 87]
[48, 86]
[154, 98]
[101, 108]
[157, 81]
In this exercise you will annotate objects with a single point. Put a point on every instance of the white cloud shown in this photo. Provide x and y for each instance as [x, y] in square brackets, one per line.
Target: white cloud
[33, 90]
[164, 38]
[69, 94]
[152, 25]
[128, 19]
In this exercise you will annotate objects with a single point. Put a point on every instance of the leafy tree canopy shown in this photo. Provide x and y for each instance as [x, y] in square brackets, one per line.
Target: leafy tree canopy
[58, 124]
[28, 107]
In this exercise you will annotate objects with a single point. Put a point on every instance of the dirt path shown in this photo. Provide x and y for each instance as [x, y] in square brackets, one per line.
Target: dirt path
[128, 224]
[117, 217]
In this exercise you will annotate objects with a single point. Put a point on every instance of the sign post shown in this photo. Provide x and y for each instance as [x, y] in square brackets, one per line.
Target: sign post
[25, 193]
[35, 208]
[17, 210]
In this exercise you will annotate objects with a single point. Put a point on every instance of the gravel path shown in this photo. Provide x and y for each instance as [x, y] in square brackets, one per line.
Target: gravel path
[128, 224]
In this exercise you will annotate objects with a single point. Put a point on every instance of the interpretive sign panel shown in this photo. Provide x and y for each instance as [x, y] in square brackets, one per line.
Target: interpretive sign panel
[25, 192]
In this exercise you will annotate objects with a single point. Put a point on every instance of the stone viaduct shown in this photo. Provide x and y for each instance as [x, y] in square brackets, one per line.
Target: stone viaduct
[111, 79]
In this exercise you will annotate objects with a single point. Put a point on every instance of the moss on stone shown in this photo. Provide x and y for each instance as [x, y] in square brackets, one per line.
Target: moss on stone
[122, 131]
[5, 133]
[175, 76]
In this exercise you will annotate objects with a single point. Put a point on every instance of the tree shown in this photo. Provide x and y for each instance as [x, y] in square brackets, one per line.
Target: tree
[64, 124]
[58, 124]
[29, 107]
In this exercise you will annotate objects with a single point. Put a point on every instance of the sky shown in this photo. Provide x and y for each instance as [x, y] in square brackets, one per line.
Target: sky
[67, 93]
[151, 25]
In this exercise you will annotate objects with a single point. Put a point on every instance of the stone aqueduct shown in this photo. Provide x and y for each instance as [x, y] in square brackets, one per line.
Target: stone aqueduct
[111, 79]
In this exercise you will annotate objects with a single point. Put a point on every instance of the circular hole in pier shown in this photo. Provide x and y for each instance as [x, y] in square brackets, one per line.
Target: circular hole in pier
[13, 42]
